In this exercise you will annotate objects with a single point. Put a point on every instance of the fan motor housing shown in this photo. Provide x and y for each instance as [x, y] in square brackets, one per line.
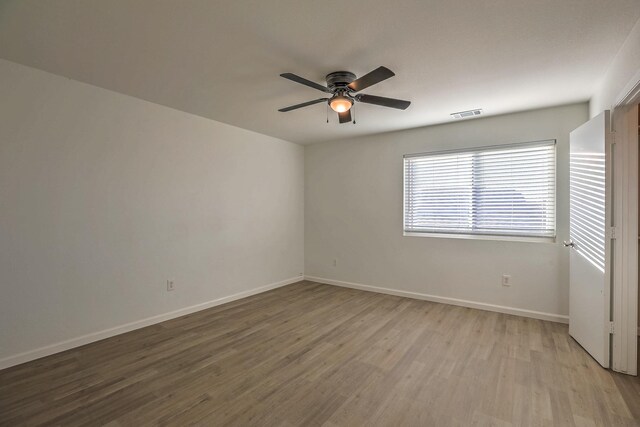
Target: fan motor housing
[339, 79]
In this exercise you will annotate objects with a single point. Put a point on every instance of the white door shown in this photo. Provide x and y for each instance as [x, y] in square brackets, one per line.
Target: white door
[624, 262]
[589, 196]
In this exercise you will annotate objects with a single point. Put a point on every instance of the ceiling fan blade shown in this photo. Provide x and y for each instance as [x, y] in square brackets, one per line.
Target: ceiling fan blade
[304, 104]
[345, 117]
[305, 82]
[376, 76]
[384, 102]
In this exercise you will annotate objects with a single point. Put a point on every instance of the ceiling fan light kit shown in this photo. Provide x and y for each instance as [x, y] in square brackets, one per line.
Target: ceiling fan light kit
[343, 85]
[340, 103]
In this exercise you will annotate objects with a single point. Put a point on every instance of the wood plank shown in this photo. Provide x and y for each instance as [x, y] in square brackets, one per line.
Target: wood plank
[312, 354]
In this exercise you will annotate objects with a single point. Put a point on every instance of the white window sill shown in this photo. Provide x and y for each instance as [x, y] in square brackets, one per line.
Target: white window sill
[482, 237]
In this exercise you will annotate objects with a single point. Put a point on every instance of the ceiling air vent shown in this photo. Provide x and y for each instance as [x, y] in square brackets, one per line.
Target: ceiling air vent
[465, 114]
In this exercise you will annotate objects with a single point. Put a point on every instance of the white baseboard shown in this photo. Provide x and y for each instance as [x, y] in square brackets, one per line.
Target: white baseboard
[96, 336]
[560, 318]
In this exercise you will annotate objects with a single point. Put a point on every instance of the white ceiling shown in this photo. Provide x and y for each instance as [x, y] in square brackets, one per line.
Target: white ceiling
[221, 59]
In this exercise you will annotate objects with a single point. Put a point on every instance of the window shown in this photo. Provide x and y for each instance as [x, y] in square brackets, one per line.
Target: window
[494, 191]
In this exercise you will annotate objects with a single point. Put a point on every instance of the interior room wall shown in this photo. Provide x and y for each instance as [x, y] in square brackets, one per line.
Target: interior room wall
[623, 72]
[353, 218]
[104, 197]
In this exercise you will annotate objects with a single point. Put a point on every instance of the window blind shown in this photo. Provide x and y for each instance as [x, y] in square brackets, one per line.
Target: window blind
[504, 190]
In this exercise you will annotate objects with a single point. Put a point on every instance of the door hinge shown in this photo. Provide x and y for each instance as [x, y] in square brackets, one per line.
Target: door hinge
[613, 232]
[612, 328]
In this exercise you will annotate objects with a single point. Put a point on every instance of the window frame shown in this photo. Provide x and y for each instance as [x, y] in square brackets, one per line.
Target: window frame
[480, 235]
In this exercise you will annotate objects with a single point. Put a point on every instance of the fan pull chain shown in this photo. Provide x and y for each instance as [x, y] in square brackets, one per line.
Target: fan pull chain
[354, 113]
[327, 112]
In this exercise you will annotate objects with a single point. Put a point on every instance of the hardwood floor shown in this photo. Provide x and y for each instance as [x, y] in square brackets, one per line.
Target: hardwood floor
[312, 354]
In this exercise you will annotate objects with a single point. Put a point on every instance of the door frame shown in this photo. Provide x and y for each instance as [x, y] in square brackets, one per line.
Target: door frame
[624, 124]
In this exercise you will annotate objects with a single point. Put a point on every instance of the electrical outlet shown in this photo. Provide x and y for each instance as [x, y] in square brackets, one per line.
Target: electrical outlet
[170, 285]
[506, 280]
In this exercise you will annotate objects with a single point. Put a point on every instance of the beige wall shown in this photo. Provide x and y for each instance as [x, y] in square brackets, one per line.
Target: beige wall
[353, 214]
[104, 197]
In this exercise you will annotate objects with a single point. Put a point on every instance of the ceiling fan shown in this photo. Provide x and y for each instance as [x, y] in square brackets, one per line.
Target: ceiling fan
[343, 85]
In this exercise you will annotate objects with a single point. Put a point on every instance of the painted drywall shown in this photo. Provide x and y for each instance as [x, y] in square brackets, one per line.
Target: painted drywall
[103, 197]
[503, 55]
[353, 215]
[623, 72]
[621, 76]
